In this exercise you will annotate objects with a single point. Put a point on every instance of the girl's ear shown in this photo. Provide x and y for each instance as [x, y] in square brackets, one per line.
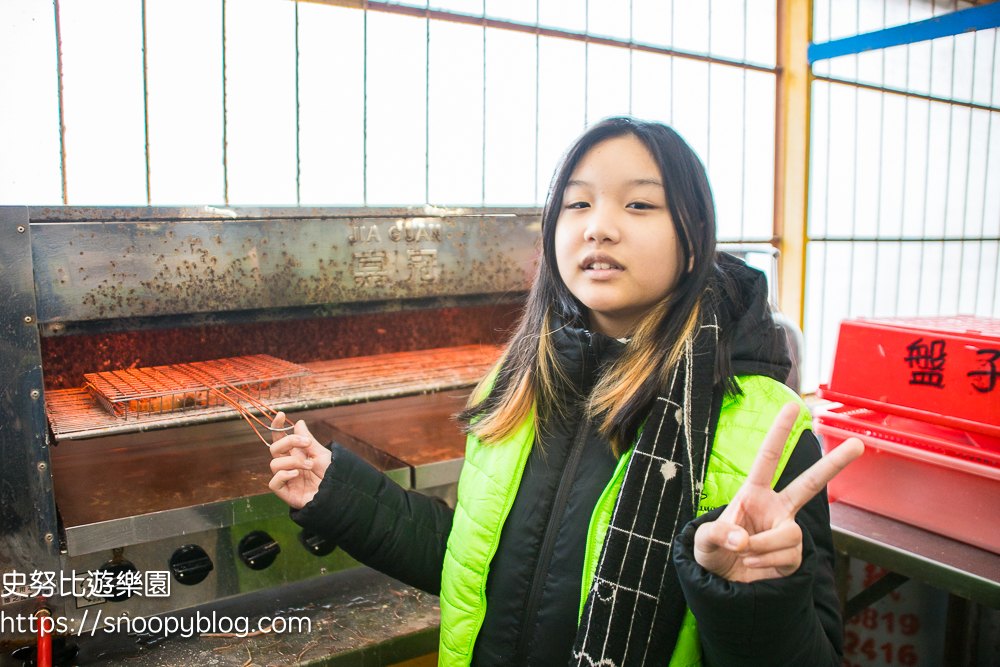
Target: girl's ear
[691, 264]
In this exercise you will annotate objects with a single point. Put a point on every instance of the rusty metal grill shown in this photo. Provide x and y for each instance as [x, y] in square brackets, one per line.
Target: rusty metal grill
[152, 392]
[74, 414]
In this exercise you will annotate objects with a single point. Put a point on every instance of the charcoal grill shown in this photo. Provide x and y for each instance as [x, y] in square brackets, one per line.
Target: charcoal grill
[125, 464]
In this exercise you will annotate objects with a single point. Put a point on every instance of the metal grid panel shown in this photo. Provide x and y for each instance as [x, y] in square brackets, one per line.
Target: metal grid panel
[457, 102]
[73, 413]
[904, 192]
[153, 392]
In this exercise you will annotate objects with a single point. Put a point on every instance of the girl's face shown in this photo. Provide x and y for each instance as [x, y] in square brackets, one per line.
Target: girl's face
[616, 246]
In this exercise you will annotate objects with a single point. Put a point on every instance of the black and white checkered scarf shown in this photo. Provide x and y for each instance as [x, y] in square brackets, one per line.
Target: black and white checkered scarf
[635, 607]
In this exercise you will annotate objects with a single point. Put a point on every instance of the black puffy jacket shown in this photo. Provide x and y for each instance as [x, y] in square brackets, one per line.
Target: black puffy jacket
[533, 587]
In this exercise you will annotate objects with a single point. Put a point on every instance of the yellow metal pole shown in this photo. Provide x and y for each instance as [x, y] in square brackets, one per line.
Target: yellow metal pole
[791, 164]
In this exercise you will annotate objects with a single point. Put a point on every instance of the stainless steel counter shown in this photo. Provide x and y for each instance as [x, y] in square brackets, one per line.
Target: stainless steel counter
[960, 569]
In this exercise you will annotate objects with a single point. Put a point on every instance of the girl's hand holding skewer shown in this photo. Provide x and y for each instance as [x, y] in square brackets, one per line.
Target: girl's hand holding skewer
[756, 536]
[299, 463]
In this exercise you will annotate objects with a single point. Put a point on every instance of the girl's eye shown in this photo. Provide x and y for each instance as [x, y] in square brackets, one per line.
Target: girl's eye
[578, 204]
[640, 205]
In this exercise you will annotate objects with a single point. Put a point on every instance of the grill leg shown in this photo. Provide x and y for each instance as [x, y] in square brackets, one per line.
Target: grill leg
[961, 633]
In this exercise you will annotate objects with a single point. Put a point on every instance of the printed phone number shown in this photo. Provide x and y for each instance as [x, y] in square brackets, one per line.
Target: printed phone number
[905, 654]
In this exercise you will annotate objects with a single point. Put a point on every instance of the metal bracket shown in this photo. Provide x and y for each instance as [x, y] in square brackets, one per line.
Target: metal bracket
[889, 582]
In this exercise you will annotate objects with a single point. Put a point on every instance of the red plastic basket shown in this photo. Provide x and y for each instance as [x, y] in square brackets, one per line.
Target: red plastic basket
[940, 370]
[941, 479]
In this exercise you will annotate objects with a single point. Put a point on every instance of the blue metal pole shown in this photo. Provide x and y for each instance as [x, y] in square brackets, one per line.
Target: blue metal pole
[967, 20]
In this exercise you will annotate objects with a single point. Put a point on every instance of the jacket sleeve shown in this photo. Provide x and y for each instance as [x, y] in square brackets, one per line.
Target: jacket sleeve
[401, 533]
[793, 620]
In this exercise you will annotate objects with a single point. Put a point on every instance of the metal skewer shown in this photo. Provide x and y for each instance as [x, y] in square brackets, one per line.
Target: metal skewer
[246, 414]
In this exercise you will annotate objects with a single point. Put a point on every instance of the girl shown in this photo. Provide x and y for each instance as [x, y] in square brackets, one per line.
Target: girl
[616, 503]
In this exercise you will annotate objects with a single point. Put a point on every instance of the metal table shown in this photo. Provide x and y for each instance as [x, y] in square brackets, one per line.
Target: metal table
[960, 569]
[970, 575]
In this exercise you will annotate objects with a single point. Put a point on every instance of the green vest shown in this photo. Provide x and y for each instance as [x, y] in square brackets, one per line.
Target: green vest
[490, 479]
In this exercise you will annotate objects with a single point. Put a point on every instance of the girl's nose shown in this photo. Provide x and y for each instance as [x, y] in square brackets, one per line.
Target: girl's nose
[602, 226]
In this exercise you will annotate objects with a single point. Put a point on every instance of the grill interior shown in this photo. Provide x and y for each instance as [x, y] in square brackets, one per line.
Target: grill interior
[76, 414]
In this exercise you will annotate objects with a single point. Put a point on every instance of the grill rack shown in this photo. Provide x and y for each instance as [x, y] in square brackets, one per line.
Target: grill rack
[152, 392]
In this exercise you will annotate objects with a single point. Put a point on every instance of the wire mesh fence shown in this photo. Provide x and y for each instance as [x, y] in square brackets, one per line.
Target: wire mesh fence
[904, 187]
[272, 102]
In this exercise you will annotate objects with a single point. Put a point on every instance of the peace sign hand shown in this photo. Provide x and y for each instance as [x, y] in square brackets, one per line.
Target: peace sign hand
[756, 536]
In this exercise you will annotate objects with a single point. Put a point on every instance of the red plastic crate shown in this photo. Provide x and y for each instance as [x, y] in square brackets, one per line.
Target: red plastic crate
[944, 370]
[941, 479]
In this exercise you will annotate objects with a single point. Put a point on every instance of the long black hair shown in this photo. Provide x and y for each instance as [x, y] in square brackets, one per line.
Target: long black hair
[529, 381]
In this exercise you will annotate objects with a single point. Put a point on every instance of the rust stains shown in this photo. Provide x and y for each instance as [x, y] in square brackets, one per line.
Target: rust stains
[200, 284]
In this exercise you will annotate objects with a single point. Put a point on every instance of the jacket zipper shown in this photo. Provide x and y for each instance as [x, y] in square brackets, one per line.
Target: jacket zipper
[548, 544]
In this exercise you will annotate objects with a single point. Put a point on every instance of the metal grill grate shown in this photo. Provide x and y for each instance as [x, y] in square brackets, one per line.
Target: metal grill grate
[75, 415]
[152, 392]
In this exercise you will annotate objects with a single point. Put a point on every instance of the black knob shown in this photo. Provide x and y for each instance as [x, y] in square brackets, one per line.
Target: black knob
[190, 565]
[316, 545]
[118, 570]
[258, 550]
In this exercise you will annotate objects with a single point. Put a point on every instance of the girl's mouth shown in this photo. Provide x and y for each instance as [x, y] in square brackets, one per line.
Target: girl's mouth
[601, 270]
[600, 263]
